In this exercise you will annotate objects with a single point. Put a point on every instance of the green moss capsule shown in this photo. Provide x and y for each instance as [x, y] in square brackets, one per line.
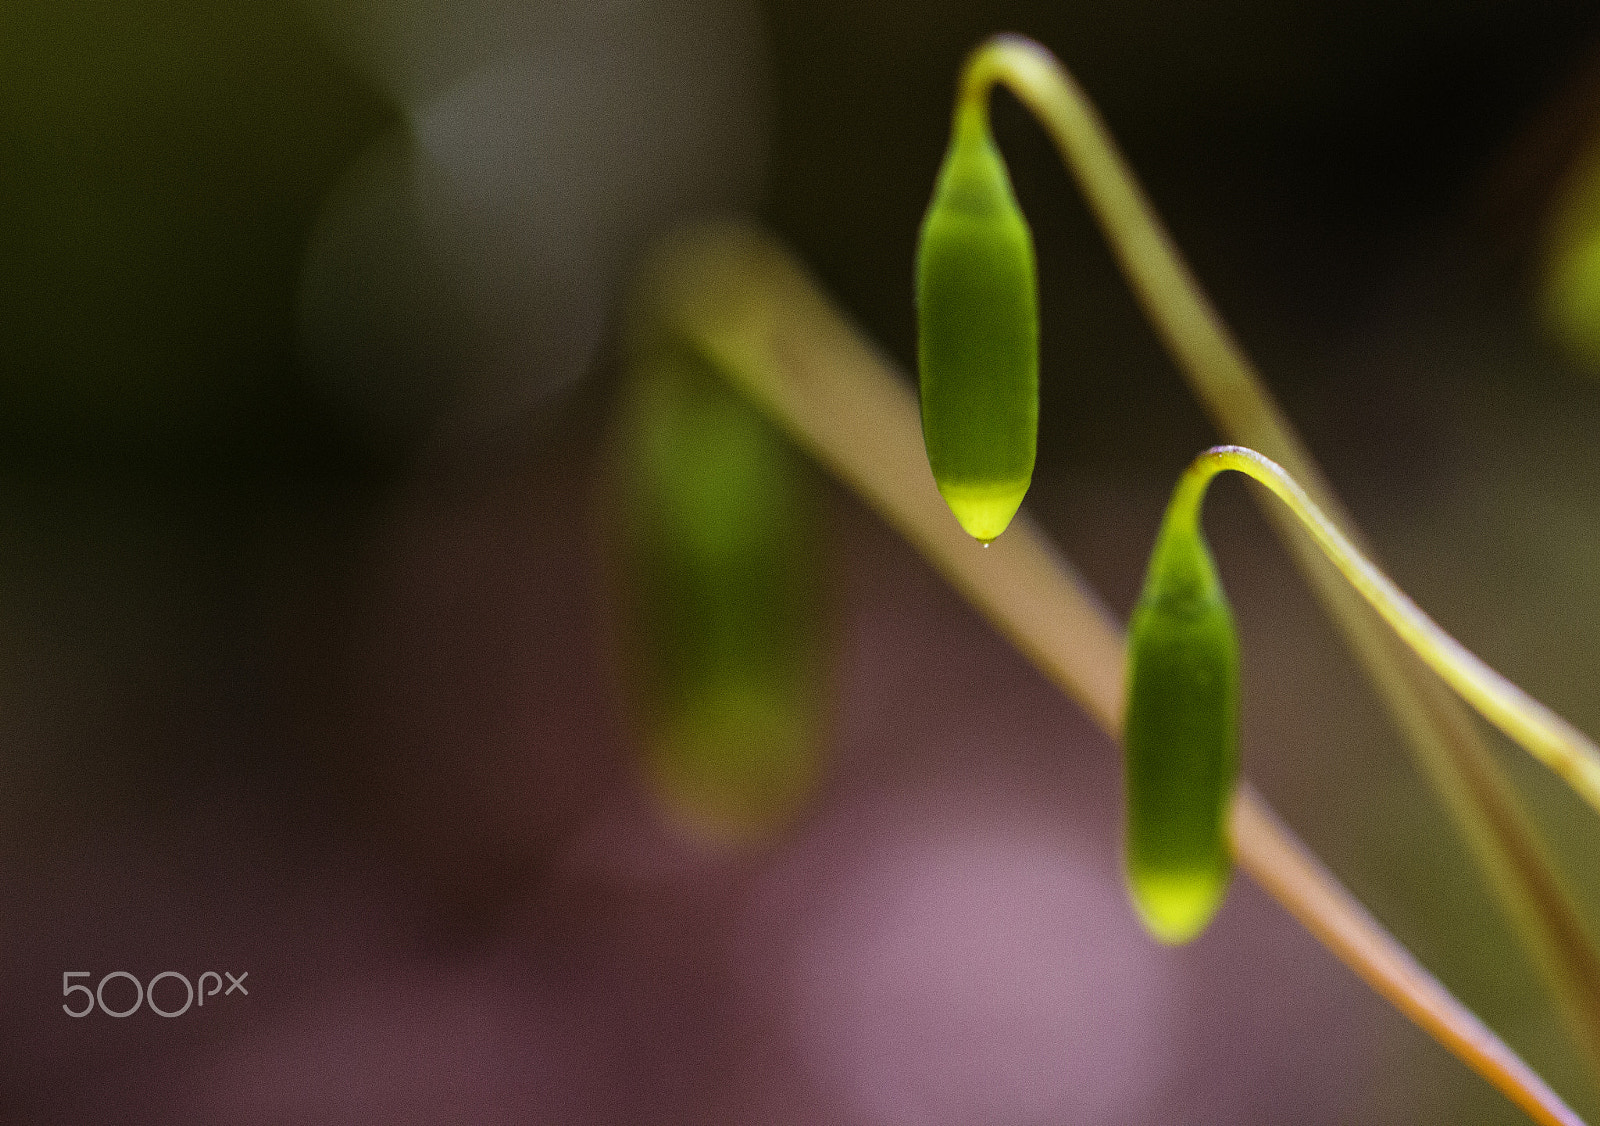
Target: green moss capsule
[721, 574]
[978, 334]
[1181, 735]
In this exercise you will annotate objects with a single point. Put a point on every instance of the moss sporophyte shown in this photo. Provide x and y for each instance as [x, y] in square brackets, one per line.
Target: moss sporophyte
[1180, 735]
[978, 340]
[1171, 694]
[978, 332]
[1181, 726]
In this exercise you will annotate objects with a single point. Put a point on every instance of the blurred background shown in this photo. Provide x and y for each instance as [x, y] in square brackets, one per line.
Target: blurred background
[313, 663]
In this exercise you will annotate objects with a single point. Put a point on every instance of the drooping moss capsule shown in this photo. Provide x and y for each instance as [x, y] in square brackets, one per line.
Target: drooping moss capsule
[978, 333]
[1181, 734]
[722, 593]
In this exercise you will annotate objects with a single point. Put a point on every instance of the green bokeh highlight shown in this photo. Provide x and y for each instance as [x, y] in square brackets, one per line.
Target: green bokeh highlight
[722, 550]
[978, 334]
[1572, 281]
[1181, 736]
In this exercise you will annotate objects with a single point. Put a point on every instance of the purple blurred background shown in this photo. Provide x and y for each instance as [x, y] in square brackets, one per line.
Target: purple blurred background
[308, 320]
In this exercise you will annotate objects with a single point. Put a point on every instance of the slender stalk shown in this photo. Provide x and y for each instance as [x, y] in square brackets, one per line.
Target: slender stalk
[1545, 735]
[752, 311]
[1295, 878]
[1448, 746]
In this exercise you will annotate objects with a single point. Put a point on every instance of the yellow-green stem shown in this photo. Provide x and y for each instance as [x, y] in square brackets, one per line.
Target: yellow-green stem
[1449, 747]
[1545, 735]
[749, 308]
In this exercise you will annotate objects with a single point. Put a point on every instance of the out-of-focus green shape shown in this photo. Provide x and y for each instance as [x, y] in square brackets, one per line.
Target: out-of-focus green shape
[978, 333]
[1181, 734]
[723, 593]
[1570, 287]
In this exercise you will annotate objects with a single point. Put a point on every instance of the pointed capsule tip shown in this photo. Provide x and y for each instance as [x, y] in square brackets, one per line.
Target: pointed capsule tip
[1177, 908]
[984, 511]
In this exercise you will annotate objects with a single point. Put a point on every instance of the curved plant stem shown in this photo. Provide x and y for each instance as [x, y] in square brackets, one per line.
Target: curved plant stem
[1545, 735]
[1448, 745]
[751, 310]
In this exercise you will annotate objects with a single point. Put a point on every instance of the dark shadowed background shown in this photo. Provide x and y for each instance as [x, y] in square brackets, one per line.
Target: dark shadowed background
[308, 322]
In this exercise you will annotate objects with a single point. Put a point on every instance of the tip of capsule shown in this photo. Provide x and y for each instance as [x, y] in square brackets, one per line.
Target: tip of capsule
[984, 511]
[1176, 908]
